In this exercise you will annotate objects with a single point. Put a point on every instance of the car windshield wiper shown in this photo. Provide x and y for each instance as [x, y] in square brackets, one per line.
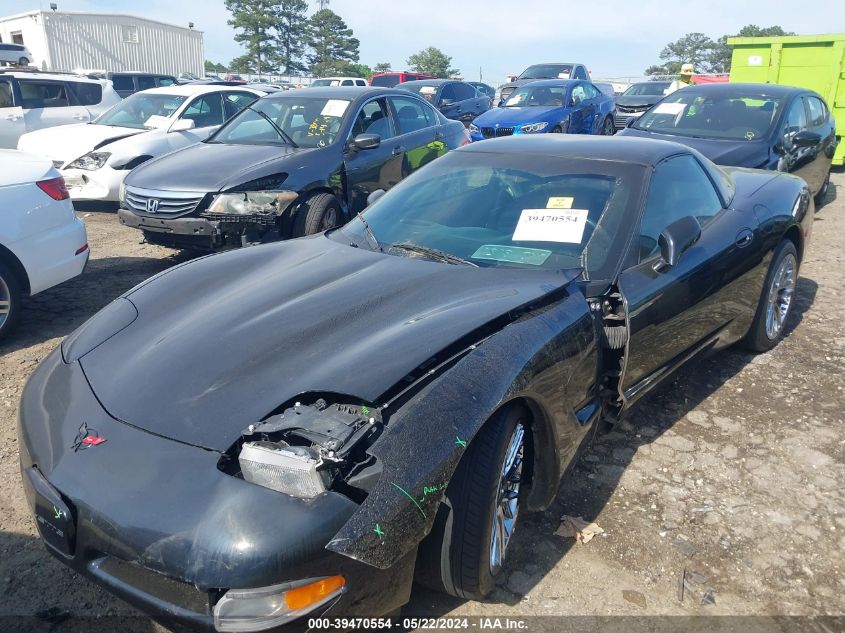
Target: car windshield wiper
[433, 253]
[284, 135]
[370, 233]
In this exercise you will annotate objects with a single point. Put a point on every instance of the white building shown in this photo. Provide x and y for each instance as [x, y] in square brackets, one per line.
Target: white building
[110, 42]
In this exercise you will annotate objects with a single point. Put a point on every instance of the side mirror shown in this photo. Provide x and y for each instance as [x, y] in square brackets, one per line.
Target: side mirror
[676, 239]
[366, 141]
[806, 138]
[375, 195]
[182, 125]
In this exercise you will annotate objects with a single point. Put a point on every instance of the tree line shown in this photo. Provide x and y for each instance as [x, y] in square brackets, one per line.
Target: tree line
[281, 38]
[707, 55]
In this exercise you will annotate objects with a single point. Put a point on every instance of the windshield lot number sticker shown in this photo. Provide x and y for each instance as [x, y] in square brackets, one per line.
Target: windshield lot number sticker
[548, 225]
[670, 108]
[335, 108]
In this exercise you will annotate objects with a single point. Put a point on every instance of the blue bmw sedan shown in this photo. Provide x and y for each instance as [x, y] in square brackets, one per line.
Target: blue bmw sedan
[560, 106]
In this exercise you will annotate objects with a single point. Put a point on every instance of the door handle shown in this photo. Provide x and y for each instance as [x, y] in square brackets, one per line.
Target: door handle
[13, 117]
[80, 117]
[744, 238]
[398, 150]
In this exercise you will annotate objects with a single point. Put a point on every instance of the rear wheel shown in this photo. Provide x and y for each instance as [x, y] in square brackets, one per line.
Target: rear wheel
[466, 549]
[820, 197]
[318, 213]
[23, 61]
[10, 299]
[775, 301]
[607, 129]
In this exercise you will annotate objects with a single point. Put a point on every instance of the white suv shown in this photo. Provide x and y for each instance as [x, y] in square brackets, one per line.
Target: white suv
[17, 54]
[42, 242]
[31, 101]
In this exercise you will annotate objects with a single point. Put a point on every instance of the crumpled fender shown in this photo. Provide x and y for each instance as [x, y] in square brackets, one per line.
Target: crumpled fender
[545, 356]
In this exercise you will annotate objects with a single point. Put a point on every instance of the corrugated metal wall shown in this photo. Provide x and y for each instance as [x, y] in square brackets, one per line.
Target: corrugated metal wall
[114, 42]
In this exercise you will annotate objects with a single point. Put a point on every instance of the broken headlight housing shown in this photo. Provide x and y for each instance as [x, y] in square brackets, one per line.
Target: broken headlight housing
[253, 203]
[310, 448]
[90, 162]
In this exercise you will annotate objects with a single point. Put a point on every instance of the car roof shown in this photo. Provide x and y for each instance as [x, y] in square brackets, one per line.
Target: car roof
[430, 82]
[334, 78]
[726, 89]
[188, 90]
[627, 149]
[550, 82]
[26, 74]
[337, 92]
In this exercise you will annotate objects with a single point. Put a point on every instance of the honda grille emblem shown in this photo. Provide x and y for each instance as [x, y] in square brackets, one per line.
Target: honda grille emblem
[152, 205]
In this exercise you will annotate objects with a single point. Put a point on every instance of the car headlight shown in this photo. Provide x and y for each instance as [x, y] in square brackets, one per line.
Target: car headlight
[91, 161]
[288, 469]
[473, 128]
[269, 607]
[253, 203]
[533, 127]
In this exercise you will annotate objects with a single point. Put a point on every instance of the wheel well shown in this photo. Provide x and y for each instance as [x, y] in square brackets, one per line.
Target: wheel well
[794, 235]
[8, 257]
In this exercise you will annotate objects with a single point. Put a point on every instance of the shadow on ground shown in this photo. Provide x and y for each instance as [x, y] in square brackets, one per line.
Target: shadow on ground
[587, 487]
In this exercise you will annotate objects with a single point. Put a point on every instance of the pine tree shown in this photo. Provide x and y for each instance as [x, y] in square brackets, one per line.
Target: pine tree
[291, 27]
[253, 21]
[332, 43]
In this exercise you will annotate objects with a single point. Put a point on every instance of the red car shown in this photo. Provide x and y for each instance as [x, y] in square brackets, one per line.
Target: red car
[234, 79]
[388, 80]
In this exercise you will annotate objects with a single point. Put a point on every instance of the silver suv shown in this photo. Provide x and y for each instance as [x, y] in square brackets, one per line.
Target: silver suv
[31, 101]
[15, 54]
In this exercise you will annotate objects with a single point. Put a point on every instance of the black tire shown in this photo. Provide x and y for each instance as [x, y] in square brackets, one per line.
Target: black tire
[10, 299]
[23, 61]
[557, 130]
[821, 196]
[456, 556]
[759, 337]
[318, 213]
[607, 128]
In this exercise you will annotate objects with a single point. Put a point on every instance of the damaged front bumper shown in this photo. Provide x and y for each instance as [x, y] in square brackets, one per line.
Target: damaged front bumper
[175, 232]
[158, 524]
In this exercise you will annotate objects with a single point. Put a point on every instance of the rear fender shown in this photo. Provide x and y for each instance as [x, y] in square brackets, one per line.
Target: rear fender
[548, 358]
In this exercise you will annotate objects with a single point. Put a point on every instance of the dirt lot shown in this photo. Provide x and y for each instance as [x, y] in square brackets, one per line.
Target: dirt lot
[733, 474]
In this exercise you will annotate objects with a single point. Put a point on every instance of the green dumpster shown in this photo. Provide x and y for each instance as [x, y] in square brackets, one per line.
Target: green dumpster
[816, 62]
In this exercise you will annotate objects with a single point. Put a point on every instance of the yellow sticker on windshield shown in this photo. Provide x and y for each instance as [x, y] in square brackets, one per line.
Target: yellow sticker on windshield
[560, 202]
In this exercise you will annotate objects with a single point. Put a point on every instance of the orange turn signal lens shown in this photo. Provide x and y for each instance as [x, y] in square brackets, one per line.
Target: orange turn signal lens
[303, 597]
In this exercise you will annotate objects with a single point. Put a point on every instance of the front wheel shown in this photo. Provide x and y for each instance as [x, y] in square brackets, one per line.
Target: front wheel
[820, 197]
[775, 301]
[465, 552]
[318, 213]
[23, 61]
[608, 129]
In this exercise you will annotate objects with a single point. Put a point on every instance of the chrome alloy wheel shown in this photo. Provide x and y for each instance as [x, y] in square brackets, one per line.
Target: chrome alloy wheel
[329, 219]
[780, 296]
[506, 502]
[5, 302]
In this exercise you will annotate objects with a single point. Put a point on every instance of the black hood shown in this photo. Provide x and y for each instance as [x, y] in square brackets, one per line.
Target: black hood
[212, 167]
[638, 101]
[735, 153]
[221, 342]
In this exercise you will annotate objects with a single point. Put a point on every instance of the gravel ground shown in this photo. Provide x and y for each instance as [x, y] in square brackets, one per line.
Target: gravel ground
[730, 476]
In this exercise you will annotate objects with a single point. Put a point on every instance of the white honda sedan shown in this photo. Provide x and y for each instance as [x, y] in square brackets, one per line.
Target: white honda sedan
[42, 242]
[95, 157]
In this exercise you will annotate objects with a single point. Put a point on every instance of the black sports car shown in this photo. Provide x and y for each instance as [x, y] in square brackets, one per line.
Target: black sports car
[763, 126]
[305, 427]
[292, 164]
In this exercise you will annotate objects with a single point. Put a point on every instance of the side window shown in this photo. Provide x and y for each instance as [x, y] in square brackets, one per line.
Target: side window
[817, 111]
[87, 94]
[43, 94]
[578, 94]
[679, 187]
[448, 94]
[123, 82]
[796, 118]
[205, 111]
[465, 91]
[234, 102]
[346, 82]
[591, 91]
[411, 115]
[145, 82]
[166, 81]
[373, 118]
[6, 94]
[360, 82]
[579, 73]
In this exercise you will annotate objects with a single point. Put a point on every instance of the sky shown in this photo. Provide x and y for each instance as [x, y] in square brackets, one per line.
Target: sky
[617, 38]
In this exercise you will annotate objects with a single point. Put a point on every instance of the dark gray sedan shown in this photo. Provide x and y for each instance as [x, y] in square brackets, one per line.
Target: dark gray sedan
[455, 99]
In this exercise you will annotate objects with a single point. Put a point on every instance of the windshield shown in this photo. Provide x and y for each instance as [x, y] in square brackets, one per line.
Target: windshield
[547, 71]
[136, 109]
[385, 81]
[646, 88]
[514, 211]
[308, 122]
[540, 96]
[739, 116]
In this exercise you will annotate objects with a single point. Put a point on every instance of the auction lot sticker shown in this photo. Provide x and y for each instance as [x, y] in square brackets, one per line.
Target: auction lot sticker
[335, 108]
[551, 225]
[670, 108]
